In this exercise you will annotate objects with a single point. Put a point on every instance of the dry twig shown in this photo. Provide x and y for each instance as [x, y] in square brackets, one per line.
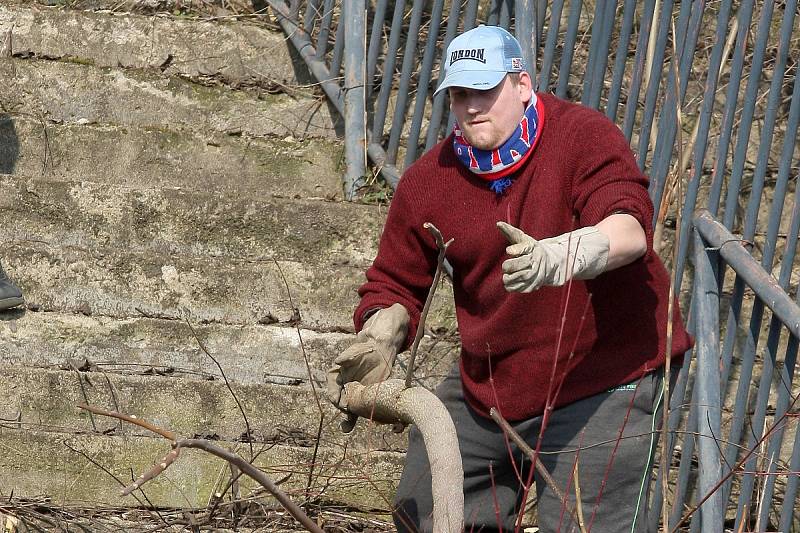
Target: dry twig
[227, 384]
[442, 246]
[530, 452]
[202, 444]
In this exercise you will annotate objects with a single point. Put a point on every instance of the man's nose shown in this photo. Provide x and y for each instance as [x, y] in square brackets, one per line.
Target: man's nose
[474, 104]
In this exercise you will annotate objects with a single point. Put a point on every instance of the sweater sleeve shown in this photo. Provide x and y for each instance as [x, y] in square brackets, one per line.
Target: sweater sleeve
[606, 178]
[403, 269]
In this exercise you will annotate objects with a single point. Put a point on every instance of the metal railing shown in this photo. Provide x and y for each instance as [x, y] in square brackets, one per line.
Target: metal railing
[723, 455]
[707, 95]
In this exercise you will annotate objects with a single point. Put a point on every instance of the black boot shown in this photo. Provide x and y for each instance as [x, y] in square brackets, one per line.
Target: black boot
[10, 295]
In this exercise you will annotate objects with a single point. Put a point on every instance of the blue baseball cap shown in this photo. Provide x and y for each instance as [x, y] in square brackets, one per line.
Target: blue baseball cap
[480, 58]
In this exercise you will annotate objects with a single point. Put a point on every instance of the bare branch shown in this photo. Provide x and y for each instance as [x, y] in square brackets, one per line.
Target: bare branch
[527, 450]
[442, 246]
[227, 384]
[159, 467]
[202, 444]
[169, 435]
[257, 475]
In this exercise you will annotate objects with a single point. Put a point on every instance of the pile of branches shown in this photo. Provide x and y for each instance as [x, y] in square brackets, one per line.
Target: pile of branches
[18, 515]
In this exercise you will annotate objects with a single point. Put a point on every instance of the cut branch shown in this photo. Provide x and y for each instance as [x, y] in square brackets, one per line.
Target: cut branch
[169, 435]
[202, 444]
[531, 453]
[442, 246]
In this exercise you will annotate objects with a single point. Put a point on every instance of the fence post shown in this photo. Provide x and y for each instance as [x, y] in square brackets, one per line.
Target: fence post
[709, 419]
[525, 30]
[355, 50]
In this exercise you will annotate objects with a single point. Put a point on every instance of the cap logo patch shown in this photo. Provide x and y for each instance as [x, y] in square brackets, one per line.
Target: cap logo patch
[516, 63]
[474, 54]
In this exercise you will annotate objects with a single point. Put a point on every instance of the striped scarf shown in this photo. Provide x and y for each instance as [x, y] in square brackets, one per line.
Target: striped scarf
[496, 165]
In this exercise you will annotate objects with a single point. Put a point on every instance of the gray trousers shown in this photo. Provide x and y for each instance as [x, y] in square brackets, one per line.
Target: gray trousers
[584, 433]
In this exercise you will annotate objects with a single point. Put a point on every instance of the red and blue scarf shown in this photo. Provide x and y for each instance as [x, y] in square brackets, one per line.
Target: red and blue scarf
[496, 165]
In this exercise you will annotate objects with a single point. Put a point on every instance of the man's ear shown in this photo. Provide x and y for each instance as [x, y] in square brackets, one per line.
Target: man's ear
[525, 87]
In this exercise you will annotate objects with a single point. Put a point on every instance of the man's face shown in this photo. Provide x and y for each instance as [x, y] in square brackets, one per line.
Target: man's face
[488, 118]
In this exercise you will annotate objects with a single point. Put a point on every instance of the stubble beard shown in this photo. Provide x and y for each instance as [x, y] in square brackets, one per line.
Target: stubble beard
[483, 140]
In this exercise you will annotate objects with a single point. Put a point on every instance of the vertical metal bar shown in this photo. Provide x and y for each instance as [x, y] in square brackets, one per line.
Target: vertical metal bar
[639, 60]
[709, 420]
[731, 100]
[749, 231]
[680, 486]
[388, 70]
[785, 381]
[539, 15]
[620, 58]
[747, 112]
[569, 48]
[294, 10]
[600, 65]
[312, 13]
[753, 331]
[401, 104]
[524, 28]
[338, 50]
[550, 45]
[324, 29]
[787, 372]
[654, 81]
[701, 145]
[494, 13]
[375, 42]
[470, 20]
[302, 44]
[788, 510]
[774, 99]
[785, 391]
[594, 44]
[471, 14]
[668, 124]
[423, 83]
[782, 181]
[355, 127]
[505, 15]
[437, 110]
[676, 409]
[758, 419]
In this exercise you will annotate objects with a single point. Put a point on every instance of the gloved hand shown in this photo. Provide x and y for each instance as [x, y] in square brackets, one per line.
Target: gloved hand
[548, 262]
[370, 359]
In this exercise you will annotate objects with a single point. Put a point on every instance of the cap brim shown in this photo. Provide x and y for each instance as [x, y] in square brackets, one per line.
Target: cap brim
[480, 80]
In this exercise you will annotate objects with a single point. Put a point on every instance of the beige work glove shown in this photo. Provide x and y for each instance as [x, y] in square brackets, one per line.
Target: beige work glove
[370, 359]
[548, 262]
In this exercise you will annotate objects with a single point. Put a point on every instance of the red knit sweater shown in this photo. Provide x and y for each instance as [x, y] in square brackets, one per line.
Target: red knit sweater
[599, 333]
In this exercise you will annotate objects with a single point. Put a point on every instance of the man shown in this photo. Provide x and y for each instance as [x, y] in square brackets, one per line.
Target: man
[10, 295]
[561, 302]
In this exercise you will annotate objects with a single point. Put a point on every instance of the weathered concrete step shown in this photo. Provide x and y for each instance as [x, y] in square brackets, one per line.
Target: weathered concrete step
[249, 355]
[114, 282]
[239, 53]
[122, 284]
[160, 157]
[73, 93]
[175, 221]
[276, 414]
[35, 463]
